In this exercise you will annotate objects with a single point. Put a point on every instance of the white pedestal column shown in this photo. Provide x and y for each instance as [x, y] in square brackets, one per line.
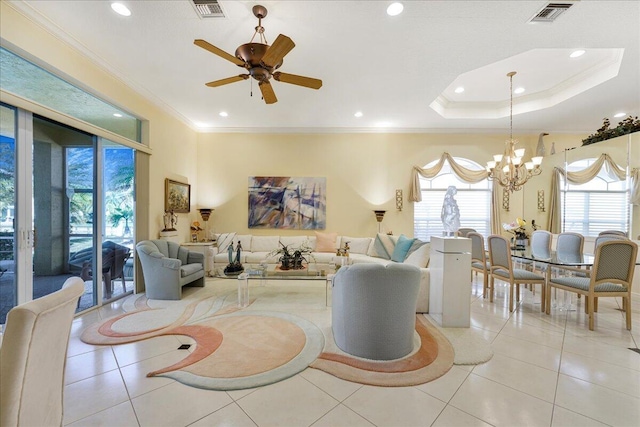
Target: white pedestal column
[450, 286]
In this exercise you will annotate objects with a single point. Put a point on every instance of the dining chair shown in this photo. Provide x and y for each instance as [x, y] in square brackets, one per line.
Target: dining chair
[607, 238]
[502, 268]
[33, 357]
[611, 276]
[569, 247]
[541, 247]
[479, 263]
[613, 232]
[464, 232]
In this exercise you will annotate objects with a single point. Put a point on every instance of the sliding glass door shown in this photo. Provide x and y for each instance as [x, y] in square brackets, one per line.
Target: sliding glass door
[8, 283]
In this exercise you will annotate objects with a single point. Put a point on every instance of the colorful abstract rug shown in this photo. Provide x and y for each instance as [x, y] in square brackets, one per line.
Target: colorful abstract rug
[252, 347]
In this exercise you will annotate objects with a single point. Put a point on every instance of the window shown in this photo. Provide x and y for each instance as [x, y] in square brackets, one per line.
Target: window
[598, 205]
[474, 201]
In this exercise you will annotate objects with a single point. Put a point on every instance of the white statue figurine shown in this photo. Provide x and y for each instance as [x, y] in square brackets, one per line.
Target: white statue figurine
[450, 212]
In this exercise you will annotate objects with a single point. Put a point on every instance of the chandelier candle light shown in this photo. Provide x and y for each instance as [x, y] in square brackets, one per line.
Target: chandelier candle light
[508, 169]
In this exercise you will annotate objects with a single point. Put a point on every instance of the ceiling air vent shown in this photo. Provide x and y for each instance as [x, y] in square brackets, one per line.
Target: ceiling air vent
[208, 8]
[551, 12]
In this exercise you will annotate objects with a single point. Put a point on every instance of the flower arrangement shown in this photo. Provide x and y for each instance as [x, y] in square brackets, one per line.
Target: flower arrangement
[517, 228]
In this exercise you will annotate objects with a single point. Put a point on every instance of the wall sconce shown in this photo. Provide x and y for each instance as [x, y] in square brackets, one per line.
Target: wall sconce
[505, 199]
[541, 200]
[379, 216]
[399, 200]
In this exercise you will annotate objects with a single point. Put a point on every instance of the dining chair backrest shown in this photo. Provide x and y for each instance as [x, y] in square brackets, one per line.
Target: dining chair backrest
[499, 252]
[613, 232]
[570, 243]
[464, 232]
[608, 237]
[477, 247]
[615, 262]
[541, 243]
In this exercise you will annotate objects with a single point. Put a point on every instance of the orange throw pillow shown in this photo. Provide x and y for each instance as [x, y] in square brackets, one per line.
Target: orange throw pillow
[326, 242]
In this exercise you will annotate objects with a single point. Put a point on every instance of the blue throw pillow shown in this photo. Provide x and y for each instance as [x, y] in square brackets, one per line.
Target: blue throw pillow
[402, 248]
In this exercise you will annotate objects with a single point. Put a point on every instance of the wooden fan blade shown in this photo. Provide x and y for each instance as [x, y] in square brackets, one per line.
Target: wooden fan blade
[227, 80]
[267, 93]
[280, 47]
[217, 51]
[298, 80]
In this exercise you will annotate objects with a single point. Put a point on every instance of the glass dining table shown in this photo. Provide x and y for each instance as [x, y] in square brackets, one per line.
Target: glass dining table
[571, 263]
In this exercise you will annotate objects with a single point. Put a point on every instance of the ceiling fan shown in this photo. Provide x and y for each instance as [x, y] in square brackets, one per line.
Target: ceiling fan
[261, 61]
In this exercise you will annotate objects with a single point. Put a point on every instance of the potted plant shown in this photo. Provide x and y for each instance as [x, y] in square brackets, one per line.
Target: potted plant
[292, 259]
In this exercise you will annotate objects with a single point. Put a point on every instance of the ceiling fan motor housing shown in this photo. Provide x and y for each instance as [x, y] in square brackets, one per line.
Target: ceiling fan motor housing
[251, 54]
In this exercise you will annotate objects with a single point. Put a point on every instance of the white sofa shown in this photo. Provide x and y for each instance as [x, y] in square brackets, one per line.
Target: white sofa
[256, 249]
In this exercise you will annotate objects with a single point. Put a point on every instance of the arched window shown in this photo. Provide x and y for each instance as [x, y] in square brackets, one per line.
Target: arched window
[598, 205]
[474, 201]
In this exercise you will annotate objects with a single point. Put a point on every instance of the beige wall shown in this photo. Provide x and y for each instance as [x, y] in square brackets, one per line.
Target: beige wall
[362, 171]
[173, 143]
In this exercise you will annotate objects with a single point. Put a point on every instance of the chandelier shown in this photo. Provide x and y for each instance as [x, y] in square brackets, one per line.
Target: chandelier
[508, 169]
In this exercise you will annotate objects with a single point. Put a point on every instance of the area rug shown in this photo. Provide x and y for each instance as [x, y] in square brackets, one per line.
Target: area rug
[234, 349]
[245, 348]
[432, 358]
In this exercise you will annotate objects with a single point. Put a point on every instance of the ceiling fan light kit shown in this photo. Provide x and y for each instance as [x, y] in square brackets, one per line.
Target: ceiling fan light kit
[260, 60]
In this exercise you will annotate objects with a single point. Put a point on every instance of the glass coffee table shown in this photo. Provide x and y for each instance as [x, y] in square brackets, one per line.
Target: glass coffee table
[263, 273]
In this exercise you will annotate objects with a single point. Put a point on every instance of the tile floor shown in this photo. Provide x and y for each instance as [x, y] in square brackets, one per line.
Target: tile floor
[546, 371]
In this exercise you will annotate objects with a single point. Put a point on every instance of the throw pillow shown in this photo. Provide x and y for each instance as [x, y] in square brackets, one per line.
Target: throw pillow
[417, 244]
[224, 240]
[382, 246]
[402, 247]
[326, 242]
[357, 245]
[420, 257]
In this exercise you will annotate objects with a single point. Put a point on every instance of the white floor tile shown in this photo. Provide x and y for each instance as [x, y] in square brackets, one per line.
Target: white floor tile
[135, 374]
[602, 373]
[619, 355]
[230, 415]
[445, 387]
[500, 405]
[491, 323]
[343, 417]
[455, 417]
[536, 335]
[522, 376]
[597, 402]
[527, 351]
[177, 405]
[566, 418]
[95, 394]
[121, 415]
[337, 388]
[395, 406]
[292, 402]
[76, 347]
[89, 364]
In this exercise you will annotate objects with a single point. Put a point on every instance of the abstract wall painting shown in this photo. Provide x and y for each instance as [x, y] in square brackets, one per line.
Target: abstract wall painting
[284, 202]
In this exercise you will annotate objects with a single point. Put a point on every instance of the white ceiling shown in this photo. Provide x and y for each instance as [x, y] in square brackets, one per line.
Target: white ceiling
[390, 68]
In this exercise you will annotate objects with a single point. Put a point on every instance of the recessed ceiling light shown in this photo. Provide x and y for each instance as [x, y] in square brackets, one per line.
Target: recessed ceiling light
[358, 114]
[224, 114]
[121, 9]
[577, 53]
[117, 115]
[395, 9]
[518, 90]
[620, 115]
[459, 89]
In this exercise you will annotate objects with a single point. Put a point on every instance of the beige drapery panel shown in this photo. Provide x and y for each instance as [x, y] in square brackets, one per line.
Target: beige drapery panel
[581, 177]
[635, 187]
[467, 175]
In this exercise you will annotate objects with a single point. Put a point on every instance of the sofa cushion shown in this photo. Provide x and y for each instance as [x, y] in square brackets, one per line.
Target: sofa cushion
[264, 243]
[322, 257]
[419, 257]
[382, 246]
[224, 240]
[357, 245]
[326, 242]
[402, 248]
[258, 257]
[189, 269]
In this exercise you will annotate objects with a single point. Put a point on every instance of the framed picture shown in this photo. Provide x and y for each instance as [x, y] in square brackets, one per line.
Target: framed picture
[177, 196]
